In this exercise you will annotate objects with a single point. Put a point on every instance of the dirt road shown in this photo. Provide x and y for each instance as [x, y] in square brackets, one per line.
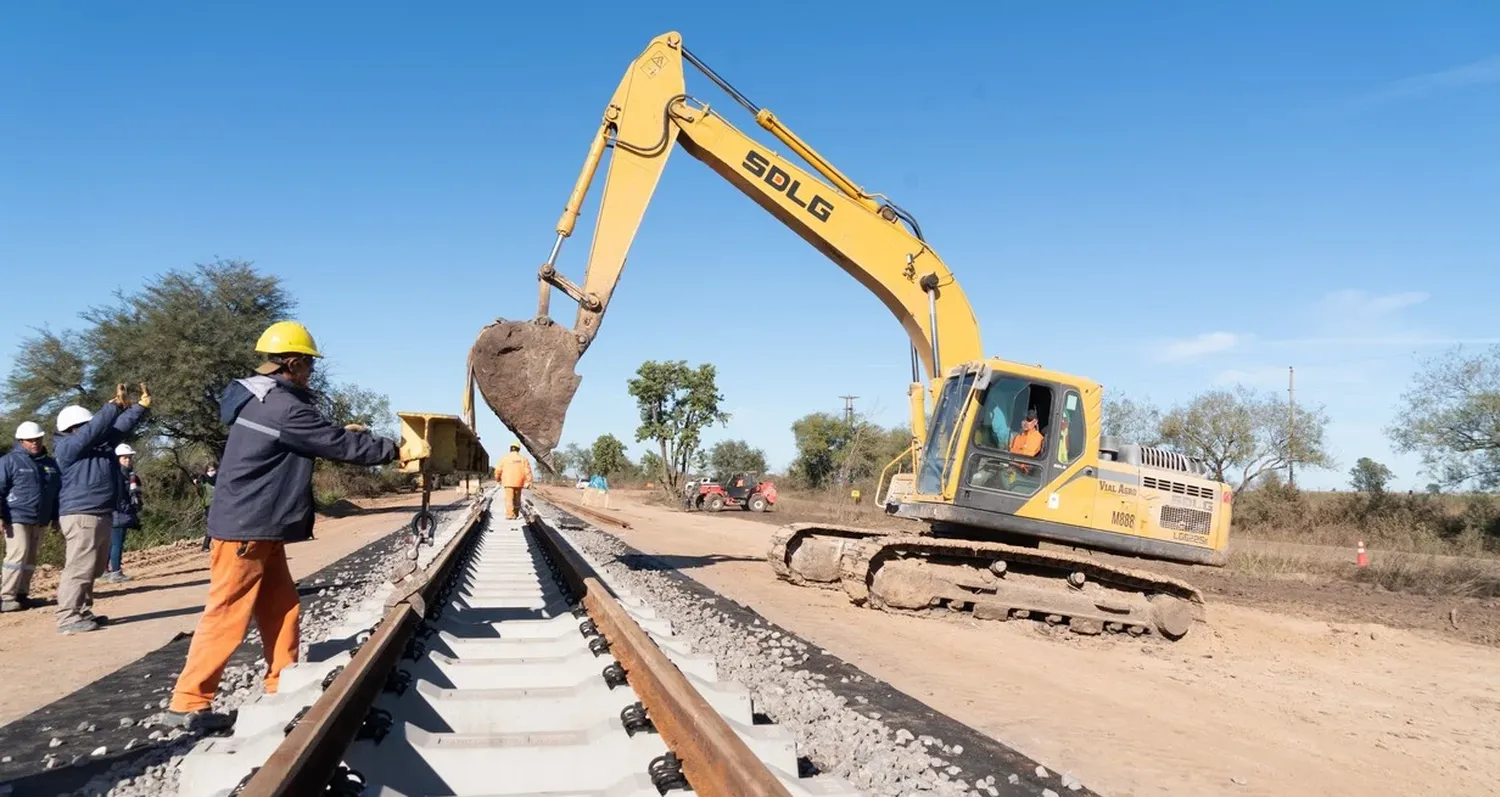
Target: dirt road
[1260, 703]
[165, 598]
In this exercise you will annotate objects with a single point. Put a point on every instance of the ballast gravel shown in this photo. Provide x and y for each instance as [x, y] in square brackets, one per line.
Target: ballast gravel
[837, 739]
[154, 773]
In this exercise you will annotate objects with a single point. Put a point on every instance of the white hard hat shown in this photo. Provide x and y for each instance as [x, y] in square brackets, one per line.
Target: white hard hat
[29, 430]
[71, 416]
[124, 450]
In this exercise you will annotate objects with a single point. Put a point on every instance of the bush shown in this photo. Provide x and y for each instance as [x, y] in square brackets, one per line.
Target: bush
[334, 482]
[1415, 522]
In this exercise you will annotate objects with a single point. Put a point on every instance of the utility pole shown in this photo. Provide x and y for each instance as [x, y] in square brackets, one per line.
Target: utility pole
[1291, 426]
[849, 409]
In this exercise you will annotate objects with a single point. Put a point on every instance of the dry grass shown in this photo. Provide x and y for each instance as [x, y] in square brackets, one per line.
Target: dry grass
[1394, 571]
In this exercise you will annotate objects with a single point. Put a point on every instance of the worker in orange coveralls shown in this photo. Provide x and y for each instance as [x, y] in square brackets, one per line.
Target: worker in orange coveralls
[262, 500]
[514, 475]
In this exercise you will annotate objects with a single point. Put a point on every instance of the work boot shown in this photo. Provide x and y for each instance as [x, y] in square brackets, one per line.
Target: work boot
[202, 720]
[78, 627]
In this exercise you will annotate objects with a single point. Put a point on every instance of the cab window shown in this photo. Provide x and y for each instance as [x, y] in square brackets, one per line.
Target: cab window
[1012, 453]
[1071, 432]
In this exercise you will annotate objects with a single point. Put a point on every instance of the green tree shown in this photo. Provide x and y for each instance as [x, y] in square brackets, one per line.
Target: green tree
[1246, 434]
[832, 449]
[1369, 476]
[1450, 416]
[821, 438]
[561, 462]
[871, 448]
[186, 334]
[580, 459]
[651, 467]
[676, 403]
[608, 455]
[1131, 421]
[736, 456]
[349, 403]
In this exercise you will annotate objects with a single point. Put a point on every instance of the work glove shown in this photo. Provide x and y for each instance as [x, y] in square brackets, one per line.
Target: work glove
[120, 398]
[145, 399]
[354, 427]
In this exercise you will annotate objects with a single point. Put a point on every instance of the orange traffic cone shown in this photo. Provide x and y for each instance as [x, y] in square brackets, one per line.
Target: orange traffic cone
[1360, 557]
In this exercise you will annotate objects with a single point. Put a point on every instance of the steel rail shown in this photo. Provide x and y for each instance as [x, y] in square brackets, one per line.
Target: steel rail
[577, 508]
[715, 760]
[308, 757]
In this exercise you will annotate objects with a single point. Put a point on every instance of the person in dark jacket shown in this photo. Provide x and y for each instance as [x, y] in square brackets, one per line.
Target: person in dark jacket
[263, 499]
[85, 444]
[128, 503]
[29, 483]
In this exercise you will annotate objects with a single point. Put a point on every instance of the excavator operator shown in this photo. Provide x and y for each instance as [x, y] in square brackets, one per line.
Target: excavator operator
[1028, 442]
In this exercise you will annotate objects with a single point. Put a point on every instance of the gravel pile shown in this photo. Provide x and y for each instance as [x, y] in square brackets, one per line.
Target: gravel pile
[832, 734]
[154, 774]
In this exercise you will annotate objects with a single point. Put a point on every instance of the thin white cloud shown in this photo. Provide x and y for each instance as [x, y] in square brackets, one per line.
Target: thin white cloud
[1483, 72]
[1376, 341]
[1362, 304]
[1206, 343]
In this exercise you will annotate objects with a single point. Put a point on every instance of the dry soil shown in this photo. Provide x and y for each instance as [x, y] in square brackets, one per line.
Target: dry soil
[164, 598]
[1259, 702]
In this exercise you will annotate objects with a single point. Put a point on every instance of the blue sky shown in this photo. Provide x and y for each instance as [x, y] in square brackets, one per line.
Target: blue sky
[1164, 198]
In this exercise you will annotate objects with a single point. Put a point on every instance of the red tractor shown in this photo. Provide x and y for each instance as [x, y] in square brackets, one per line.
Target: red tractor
[739, 490]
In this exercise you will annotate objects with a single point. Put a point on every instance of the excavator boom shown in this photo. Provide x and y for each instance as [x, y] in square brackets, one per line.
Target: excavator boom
[525, 369]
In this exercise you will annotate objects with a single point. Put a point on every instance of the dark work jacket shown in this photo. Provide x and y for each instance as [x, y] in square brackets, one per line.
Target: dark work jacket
[263, 490]
[128, 502]
[29, 484]
[90, 469]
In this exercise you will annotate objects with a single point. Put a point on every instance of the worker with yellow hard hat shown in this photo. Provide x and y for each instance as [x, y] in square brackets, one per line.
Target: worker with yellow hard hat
[262, 501]
[514, 475]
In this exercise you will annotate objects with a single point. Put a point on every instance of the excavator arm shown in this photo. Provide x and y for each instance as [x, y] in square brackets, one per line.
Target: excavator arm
[524, 369]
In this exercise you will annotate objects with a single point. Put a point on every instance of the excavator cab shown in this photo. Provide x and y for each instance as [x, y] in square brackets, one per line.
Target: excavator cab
[980, 452]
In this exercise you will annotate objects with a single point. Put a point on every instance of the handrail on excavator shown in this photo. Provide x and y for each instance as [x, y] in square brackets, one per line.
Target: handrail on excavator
[909, 451]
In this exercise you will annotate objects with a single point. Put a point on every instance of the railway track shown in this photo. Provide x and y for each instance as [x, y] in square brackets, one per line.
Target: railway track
[507, 664]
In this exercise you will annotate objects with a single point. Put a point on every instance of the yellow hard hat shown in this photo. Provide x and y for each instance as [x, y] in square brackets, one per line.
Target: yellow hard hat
[287, 337]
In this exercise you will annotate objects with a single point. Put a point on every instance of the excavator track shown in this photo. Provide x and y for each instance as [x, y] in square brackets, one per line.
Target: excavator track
[810, 554]
[918, 574]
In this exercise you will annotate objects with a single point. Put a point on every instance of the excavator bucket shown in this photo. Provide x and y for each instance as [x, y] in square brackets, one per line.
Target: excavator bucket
[524, 370]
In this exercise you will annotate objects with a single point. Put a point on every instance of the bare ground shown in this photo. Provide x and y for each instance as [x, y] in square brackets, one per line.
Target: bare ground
[1271, 698]
[164, 598]
[1313, 581]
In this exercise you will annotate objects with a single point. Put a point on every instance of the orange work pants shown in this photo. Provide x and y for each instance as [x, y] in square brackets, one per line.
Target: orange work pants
[512, 503]
[245, 580]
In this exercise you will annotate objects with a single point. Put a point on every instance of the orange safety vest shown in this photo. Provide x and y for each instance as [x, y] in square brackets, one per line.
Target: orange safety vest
[1027, 443]
[514, 470]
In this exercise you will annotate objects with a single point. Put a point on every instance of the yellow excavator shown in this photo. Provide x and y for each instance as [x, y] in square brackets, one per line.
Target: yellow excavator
[1009, 458]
